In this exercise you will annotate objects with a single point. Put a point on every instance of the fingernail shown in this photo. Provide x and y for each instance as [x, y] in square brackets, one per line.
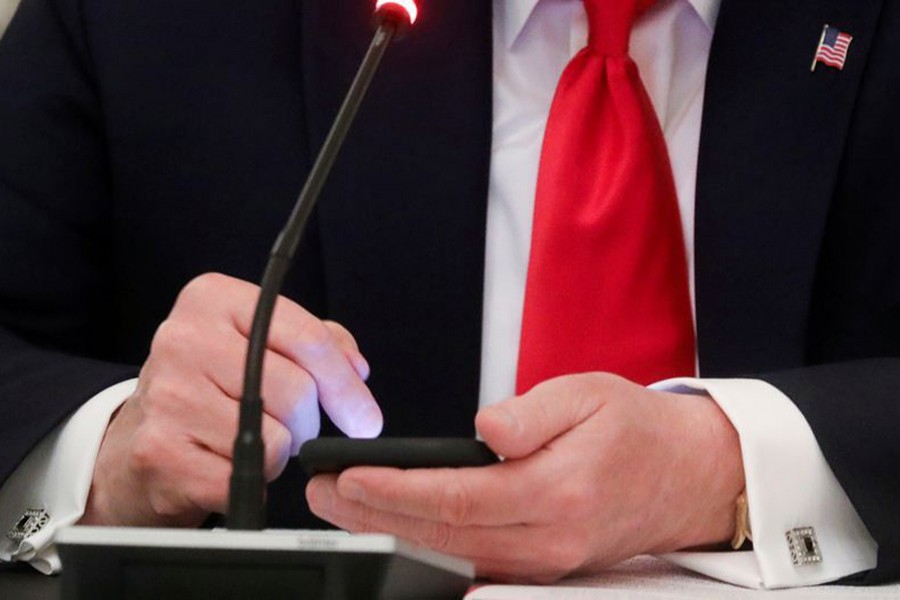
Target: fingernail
[370, 422]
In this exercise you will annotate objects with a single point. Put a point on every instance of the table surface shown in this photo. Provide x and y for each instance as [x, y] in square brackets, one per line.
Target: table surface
[21, 582]
[647, 578]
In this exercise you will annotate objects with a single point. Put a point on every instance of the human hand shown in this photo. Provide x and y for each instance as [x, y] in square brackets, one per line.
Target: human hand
[165, 458]
[597, 470]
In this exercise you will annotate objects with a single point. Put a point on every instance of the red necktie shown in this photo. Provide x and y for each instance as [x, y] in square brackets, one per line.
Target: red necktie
[607, 282]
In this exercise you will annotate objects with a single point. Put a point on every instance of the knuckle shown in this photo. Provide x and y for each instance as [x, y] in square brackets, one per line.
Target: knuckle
[566, 556]
[342, 334]
[172, 337]
[438, 536]
[366, 522]
[148, 450]
[315, 336]
[598, 378]
[574, 500]
[336, 328]
[164, 503]
[455, 504]
[591, 391]
[162, 395]
[545, 419]
[202, 287]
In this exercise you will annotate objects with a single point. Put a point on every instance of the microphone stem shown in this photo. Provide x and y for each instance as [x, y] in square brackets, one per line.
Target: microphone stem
[246, 506]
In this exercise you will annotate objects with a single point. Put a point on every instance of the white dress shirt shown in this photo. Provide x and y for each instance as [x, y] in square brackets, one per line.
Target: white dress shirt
[789, 483]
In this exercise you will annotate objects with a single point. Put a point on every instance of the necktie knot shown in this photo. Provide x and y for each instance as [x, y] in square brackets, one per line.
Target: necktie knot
[610, 23]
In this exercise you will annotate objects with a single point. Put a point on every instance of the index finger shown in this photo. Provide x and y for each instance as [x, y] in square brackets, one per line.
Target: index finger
[486, 496]
[312, 344]
[302, 338]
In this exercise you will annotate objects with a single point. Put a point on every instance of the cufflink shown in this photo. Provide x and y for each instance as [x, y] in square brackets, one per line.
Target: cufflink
[31, 521]
[804, 546]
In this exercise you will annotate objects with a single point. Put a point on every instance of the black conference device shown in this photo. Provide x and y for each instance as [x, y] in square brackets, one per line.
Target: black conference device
[334, 455]
[244, 561]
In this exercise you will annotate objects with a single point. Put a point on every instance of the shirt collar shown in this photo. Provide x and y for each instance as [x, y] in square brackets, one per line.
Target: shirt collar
[514, 14]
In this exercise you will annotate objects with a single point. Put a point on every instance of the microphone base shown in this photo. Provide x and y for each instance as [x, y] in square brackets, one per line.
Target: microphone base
[138, 564]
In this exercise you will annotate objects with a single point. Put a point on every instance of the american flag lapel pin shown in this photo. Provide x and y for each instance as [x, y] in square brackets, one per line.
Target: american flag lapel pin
[833, 47]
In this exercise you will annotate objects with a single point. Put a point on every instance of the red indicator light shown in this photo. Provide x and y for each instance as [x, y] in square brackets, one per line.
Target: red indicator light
[408, 6]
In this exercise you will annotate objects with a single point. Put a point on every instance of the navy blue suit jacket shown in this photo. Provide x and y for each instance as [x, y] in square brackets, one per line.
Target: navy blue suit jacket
[143, 143]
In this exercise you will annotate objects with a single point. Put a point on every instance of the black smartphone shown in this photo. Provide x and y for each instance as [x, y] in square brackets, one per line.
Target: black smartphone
[333, 455]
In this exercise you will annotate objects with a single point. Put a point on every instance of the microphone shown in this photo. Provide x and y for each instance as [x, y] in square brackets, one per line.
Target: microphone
[405, 12]
[108, 563]
[246, 506]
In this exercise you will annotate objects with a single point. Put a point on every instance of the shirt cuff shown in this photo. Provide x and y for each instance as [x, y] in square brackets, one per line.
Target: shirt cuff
[789, 487]
[55, 478]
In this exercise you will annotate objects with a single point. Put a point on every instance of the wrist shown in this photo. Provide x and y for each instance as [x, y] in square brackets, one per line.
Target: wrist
[99, 507]
[713, 477]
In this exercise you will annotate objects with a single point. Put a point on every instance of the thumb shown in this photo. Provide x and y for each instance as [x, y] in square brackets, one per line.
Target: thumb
[519, 426]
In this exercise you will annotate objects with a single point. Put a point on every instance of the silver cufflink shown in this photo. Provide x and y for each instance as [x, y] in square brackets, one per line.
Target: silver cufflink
[32, 521]
[804, 546]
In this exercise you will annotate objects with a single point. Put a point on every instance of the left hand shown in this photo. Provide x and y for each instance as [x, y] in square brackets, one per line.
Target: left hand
[597, 470]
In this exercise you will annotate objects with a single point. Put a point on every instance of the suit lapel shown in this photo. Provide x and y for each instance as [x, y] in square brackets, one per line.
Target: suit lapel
[403, 216]
[770, 153]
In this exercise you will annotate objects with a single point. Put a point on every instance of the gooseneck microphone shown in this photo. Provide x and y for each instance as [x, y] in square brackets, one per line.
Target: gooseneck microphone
[243, 561]
[246, 505]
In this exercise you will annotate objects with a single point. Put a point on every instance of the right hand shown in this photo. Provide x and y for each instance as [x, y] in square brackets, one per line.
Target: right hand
[166, 457]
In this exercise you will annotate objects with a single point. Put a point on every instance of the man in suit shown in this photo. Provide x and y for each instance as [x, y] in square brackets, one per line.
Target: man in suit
[143, 145]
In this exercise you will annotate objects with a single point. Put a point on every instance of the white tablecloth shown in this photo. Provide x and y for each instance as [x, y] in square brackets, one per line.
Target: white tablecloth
[646, 578]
